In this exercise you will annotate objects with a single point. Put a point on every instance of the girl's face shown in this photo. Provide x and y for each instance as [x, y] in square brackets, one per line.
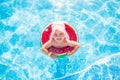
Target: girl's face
[58, 36]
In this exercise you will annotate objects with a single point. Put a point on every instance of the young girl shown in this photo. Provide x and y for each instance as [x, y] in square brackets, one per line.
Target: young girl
[59, 39]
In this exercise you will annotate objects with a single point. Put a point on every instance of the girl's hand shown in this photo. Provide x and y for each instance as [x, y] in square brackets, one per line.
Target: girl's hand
[69, 53]
[53, 56]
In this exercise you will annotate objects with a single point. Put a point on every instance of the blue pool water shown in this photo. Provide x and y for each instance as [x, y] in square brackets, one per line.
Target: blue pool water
[97, 23]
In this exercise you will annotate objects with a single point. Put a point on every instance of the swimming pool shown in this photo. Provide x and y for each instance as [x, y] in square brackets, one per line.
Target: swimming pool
[97, 23]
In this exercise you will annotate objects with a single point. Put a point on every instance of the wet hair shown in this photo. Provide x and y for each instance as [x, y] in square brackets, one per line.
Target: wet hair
[59, 26]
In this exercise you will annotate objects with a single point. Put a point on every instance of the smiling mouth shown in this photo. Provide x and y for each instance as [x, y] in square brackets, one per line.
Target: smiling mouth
[59, 38]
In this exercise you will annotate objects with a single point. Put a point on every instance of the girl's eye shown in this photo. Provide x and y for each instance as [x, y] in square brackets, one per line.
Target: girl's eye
[55, 34]
[60, 33]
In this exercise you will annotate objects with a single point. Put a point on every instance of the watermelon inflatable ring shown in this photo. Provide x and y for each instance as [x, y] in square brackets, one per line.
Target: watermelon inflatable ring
[46, 36]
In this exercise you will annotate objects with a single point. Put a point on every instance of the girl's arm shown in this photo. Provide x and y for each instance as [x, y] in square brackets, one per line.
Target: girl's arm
[44, 49]
[74, 44]
[45, 46]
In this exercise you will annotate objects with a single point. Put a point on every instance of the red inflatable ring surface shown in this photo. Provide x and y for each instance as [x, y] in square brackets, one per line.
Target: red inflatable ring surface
[46, 36]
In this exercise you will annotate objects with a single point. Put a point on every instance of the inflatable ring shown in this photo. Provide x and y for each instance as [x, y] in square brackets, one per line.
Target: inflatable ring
[46, 36]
